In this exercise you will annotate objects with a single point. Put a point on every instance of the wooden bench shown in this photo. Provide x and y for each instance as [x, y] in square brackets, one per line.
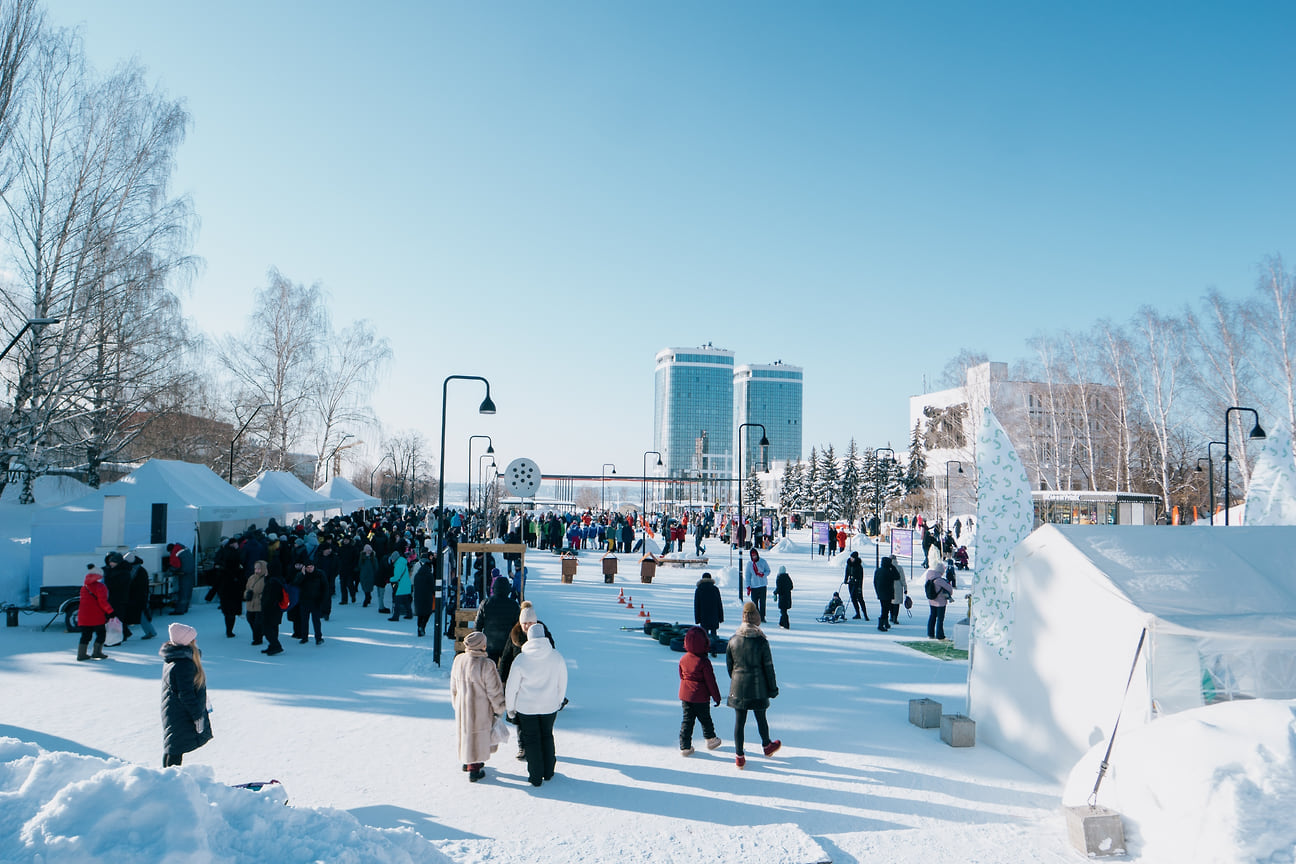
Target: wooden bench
[682, 562]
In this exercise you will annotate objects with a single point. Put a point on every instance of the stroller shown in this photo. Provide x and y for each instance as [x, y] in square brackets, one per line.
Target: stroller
[961, 558]
[834, 612]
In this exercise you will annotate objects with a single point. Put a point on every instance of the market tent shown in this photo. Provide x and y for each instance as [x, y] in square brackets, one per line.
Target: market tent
[291, 498]
[201, 507]
[1220, 612]
[347, 495]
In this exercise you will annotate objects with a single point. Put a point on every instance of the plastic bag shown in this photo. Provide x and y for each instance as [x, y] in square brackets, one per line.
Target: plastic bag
[114, 630]
[499, 731]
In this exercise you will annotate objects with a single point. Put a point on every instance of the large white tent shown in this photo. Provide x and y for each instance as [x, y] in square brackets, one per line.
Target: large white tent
[347, 495]
[1219, 608]
[201, 507]
[291, 498]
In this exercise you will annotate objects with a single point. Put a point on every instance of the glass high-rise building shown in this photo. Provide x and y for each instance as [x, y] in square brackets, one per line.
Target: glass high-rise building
[770, 395]
[693, 412]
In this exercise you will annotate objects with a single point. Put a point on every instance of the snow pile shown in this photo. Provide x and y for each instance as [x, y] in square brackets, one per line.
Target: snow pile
[57, 807]
[788, 546]
[1211, 784]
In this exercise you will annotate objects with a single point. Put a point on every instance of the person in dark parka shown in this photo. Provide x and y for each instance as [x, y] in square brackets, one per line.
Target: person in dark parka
[497, 616]
[117, 581]
[708, 608]
[783, 596]
[186, 723]
[884, 588]
[752, 683]
[424, 592]
[855, 582]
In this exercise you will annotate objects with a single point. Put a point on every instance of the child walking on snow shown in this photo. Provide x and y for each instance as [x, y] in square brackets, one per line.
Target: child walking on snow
[697, 688]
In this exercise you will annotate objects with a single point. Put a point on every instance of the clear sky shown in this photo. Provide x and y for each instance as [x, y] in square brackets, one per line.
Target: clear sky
[547, 194]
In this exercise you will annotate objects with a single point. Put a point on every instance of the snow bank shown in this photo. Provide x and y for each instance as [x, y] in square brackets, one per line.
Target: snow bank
[57, 807]
[1210, 784]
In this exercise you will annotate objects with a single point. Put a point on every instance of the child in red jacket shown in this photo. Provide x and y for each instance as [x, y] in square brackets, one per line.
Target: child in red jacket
[697, 688]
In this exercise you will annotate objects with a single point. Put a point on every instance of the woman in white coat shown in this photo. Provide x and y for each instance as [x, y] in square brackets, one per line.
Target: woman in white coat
[478, 698]
[537, 686]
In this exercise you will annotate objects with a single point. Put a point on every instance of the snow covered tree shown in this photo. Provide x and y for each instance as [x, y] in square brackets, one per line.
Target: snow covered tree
[851, 483]
[753, 493]
[810, 484]
[915, 479]
[829, 483]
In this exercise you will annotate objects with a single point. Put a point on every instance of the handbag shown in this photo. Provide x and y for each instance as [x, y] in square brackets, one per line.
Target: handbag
[499, 731]
[113, 629]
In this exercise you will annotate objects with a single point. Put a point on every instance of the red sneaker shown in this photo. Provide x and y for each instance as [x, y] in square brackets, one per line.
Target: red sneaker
[740, 761]
[772, 747]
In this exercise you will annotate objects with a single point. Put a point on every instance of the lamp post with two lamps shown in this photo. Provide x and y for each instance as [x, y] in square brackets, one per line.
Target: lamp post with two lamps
[1256, 432]
[241, 430]
[486, 407]
[644, 515]
[603, 484]
[764, 442]
[1210, 477]
[949, 462]
[877, 500]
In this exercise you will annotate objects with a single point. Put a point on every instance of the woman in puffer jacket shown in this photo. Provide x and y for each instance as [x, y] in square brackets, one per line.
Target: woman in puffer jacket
[537, 686]
[186, 721]
[751, 681]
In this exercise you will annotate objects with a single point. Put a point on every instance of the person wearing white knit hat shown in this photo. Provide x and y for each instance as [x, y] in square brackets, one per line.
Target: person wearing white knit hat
[536, 688]
[186, 720]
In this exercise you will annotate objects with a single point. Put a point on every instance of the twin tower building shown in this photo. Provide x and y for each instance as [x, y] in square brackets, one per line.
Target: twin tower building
[705, 407]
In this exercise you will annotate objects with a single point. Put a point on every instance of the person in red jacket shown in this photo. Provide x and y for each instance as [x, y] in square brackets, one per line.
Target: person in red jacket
[93, 614]
[697, 688]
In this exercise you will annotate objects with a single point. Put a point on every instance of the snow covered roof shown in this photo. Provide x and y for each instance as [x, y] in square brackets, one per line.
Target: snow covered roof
[347, 494]
[280, 487]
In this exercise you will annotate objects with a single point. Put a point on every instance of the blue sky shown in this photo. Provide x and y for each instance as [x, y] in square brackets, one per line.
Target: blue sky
[547, 194]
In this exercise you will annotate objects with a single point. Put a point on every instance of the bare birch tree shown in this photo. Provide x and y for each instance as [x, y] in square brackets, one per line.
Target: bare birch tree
[1157, 383]
[349, 369]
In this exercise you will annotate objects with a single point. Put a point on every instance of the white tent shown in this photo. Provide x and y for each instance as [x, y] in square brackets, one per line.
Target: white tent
[347, 495]
[1220, 613]
[201, 507]
[291, 498]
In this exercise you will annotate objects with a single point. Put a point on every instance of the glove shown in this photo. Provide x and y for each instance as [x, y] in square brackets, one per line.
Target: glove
[774, 693]
[512, 716]
[198, 725]
[247, 595]
[716, 703]
[748, 590]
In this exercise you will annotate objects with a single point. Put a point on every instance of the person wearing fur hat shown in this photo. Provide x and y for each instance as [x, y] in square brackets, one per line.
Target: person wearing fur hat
[536, 688]
[708, 607]
[186, 718]
[477, 695]
[92, 615]
[751, 681]
[697, 688]
[783, 596]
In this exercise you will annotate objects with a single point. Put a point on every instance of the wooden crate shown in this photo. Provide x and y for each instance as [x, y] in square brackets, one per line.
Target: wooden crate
[463, 626]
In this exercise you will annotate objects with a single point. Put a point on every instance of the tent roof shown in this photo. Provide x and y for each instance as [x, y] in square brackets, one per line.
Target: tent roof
[179, 485]
[1205, 581]
[280, 487]
[343, 490]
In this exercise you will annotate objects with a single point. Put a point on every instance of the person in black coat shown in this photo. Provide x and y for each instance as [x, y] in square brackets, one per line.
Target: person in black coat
[884, 587]
[708, 609]
[272, 597]
[117, 581]
[783, 596]
[186, 721]
[424, 592]
[855, 582]
[314, 602]
[497, 616]
[230, 583]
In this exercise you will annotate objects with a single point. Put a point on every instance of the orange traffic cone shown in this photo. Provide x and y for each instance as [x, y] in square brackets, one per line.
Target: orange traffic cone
[642, 613]
[621, 596]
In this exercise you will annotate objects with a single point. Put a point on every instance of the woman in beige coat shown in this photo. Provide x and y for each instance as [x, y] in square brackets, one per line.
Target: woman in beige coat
[478, 698]
[252, 597]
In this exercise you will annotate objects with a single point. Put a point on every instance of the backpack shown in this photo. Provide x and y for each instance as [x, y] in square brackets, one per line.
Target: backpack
[930, 588]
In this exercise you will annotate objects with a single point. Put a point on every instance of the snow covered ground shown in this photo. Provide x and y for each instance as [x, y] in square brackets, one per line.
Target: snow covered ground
[360, 733]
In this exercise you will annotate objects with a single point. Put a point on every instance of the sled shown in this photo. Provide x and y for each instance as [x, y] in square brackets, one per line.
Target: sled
[258, 785]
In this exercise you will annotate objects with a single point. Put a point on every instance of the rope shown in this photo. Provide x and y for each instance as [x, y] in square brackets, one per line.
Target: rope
[1102, 768]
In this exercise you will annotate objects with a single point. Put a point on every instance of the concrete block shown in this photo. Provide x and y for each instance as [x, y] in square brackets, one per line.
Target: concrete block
[924, 713]
[1096, 831]
[957, 730]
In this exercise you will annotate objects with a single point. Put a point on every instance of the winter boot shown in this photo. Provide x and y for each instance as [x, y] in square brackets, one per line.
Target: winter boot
[478, 772]
[98, 653]
[772, 747]
[713, 743]
[687, 751]
[83, 651]
[740, 761]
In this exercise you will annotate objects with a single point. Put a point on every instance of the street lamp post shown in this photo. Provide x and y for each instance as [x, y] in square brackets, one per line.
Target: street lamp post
[1256, 432]
[603, 484]
[27, 325]
[385, 457]
[644, 515]
[240, 435]
[949, 462]
[328, 460]
[490, 450]
[481, 480]
[877, 501]
[1210, 466]
[764, 442]
[486, 407]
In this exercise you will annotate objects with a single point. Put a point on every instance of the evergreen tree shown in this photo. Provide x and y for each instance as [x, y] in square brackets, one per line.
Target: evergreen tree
[829, 483]
[852, 483]
[916, 477]
[810, 484]
[753, 493]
